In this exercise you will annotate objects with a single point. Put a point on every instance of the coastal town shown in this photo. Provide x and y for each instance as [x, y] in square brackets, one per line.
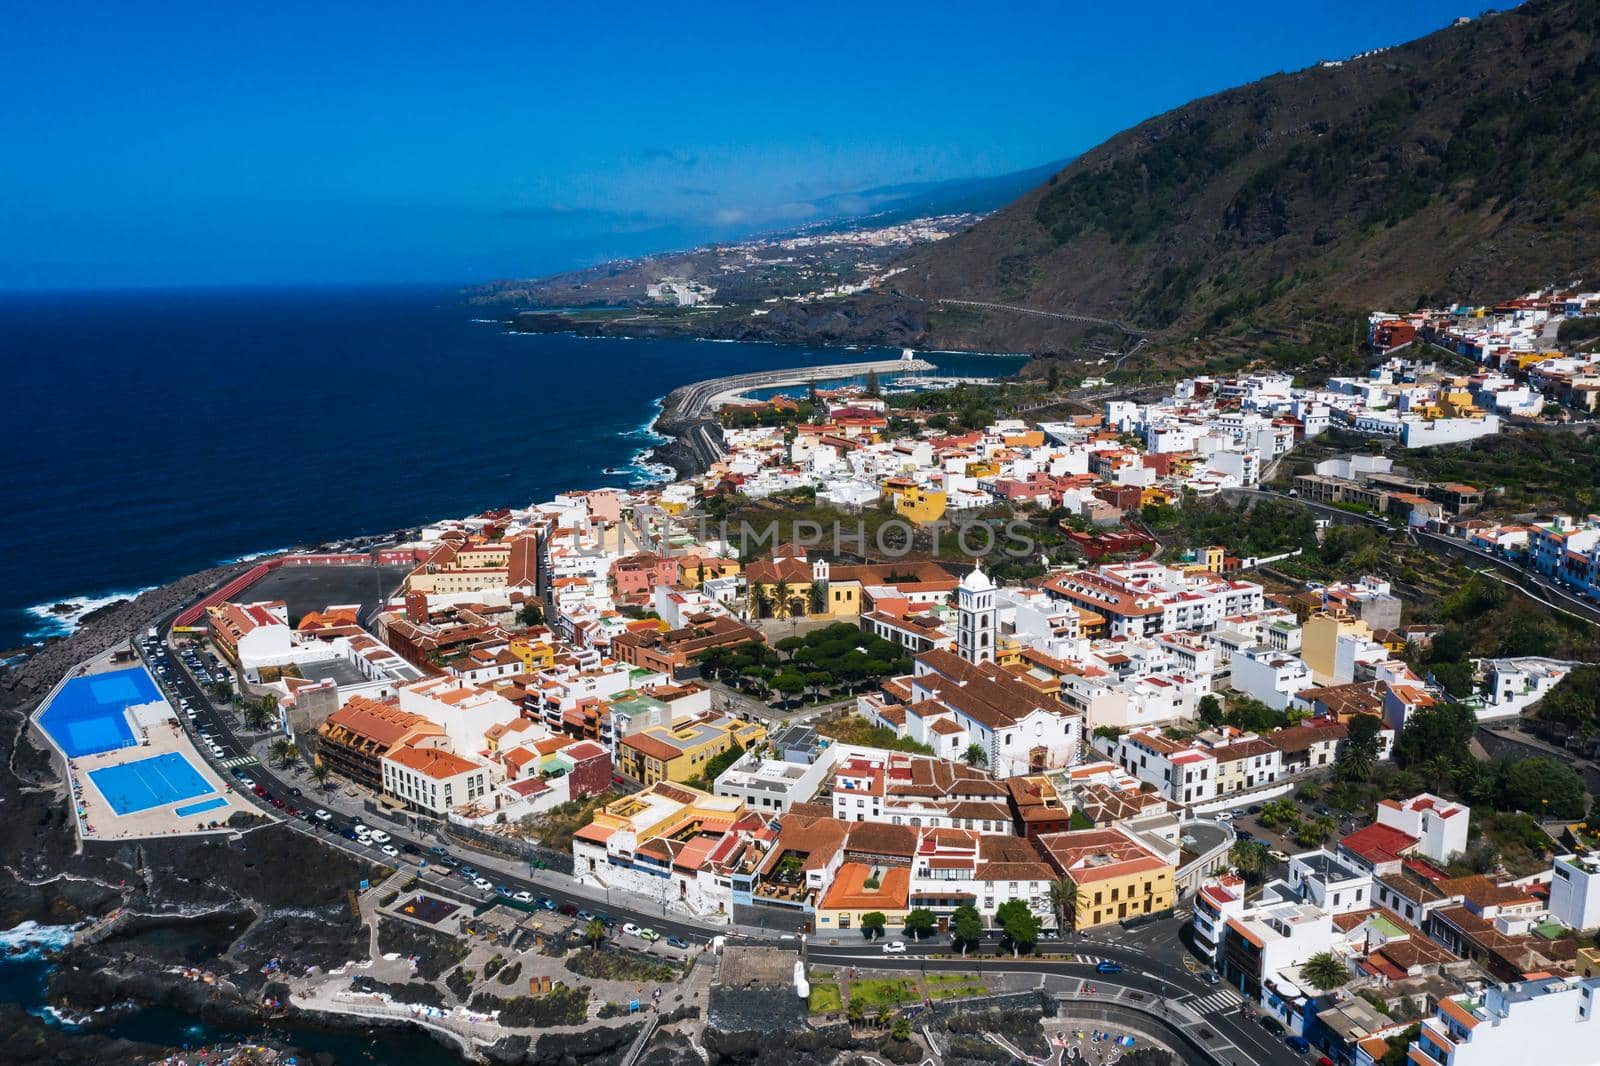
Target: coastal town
[905, 709]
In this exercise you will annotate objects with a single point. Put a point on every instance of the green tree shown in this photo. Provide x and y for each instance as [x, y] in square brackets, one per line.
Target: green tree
[1249, 857]
[872, 924]
[1324, 971]
[919, 922]
[1359, 756]
[284, 751]
[1442, 731]
[594, 932]
[975, 755]
[966, 927]
[532, 614]
[1019, 924]
[902, 1029]
[321, 772]
[855, 1012]
[1540, 786]
[1209, 711]
[873, 389]
[1064, 896]
[790, 683]
[258, 713]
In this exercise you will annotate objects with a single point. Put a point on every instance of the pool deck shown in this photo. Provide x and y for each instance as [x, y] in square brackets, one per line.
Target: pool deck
[95, 818]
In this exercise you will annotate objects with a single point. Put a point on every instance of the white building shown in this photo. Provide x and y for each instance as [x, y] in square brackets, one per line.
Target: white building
[1323, 879]
[976, 617]
[1544, 1022]
[465, 711]
[1575, 891]
[1273, 677]
[433, 779]
[1438, 824]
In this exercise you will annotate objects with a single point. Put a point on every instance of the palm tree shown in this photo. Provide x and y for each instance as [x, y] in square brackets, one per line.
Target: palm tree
[780, 597]
[595, 933]
[1324, 971]
[284, 751]
[976, 756]
[257, 713]
[1246, 857]
[320, 773]
[1064, 901]
[855, 1012]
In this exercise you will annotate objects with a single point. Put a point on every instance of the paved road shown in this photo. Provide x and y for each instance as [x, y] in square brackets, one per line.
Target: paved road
[1155, 981]
[1153, 955]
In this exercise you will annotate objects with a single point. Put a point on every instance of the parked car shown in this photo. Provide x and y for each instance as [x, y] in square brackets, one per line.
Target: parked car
[894, 947]
[650, 935]
[567, 910]
[391, 851]
[440, 850]
[1298, 1043]
[584, 916]
[523, 897]
[380, 836]
[483, 883]
[1106, 966]
[678, 942]
[503, 890]
[630, 929]
[1277, 855]
[323, 816]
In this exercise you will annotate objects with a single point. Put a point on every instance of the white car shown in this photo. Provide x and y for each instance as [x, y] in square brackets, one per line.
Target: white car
[391, 851]
[631, 929]
[323, 816]
[523, 897]
[380, 836]
[484, 883]
[895, 947]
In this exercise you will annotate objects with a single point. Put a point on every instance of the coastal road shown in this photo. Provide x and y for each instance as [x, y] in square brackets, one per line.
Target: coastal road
[1144, 982]
[693, 401]
[1154, 965]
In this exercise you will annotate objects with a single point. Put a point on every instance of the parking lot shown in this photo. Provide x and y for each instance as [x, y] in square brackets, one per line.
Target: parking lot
[313, 588]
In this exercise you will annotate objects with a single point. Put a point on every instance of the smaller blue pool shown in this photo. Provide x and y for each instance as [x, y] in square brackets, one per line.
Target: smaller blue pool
[153, 782]
[201, 807]
[87, 715]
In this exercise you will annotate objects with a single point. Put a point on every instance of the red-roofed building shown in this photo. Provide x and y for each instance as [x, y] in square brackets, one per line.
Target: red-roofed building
[1377, 848]
[1118, 875]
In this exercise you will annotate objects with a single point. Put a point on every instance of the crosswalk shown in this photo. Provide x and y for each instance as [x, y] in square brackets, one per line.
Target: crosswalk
[240, 760]
[1226, 997]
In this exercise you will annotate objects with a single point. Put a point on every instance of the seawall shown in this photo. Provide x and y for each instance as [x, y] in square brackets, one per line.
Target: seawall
[686, 412]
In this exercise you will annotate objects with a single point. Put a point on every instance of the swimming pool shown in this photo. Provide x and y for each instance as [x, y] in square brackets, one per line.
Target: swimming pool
[87, 715]
[203, 805]
[153, 782]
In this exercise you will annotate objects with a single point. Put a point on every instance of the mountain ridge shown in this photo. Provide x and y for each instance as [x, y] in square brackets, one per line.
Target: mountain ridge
[1464, 164]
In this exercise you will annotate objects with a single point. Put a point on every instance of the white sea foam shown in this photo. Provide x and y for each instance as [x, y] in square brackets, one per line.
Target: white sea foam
[62, 623]
[30, 940]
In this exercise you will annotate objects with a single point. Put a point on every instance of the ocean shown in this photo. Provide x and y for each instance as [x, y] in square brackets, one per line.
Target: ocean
[150, 434]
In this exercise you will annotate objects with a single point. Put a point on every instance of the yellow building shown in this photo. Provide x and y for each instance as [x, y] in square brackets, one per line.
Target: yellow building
[535, 654]
[696, 570]
[917, 503]
[854, 893]
[1117, 877]
[680, 752]
[1319, 642]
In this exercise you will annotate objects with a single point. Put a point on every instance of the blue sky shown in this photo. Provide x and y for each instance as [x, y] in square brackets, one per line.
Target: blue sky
[170, 144]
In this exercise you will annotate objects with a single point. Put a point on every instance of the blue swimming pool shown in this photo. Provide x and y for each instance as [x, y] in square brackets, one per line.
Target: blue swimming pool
[86, 717]
[153, 782]
[202, 806]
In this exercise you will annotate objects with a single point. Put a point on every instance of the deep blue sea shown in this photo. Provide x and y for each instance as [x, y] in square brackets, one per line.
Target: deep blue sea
[150, 434]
